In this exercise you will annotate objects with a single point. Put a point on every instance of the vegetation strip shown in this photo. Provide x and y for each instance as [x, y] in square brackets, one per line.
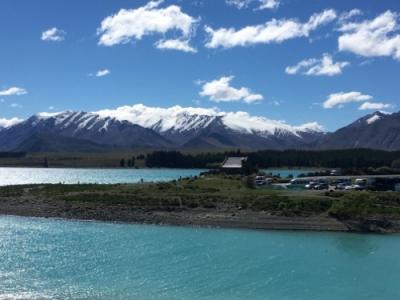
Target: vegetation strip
[352, 161]
[213, 200]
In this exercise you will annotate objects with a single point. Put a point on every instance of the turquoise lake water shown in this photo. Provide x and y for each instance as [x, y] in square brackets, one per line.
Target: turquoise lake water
[286, 172]
[57, 259]
[13, 176]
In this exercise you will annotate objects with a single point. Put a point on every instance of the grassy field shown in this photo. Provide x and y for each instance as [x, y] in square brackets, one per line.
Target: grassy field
[221, 194]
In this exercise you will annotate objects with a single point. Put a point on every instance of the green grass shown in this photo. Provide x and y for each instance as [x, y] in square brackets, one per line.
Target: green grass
[221, 193]
[365, 204]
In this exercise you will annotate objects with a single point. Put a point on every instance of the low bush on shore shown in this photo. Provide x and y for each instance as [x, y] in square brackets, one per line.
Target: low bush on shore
[365, 204]
[225, 194]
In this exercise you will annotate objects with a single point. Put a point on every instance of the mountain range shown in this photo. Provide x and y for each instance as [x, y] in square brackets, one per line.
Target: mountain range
[139, 126]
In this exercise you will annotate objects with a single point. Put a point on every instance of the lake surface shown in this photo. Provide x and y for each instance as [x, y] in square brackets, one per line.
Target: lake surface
[57, 259]
[286, 172]
[14, 176]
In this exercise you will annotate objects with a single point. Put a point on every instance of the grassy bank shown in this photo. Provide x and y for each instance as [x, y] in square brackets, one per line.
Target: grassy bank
[225, 196]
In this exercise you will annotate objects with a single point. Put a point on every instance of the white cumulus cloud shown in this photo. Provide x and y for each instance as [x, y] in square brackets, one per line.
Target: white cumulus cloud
[374, 106]
[269, 4]
[134, 24]
[372, 38]
[350, 14]
[220, 90]
[263, 4]
[54, 35]
[274, 31]
[239, 4]
[175, 44]
[102, 73]
[13, 91]
[318, 66]
[339, 99]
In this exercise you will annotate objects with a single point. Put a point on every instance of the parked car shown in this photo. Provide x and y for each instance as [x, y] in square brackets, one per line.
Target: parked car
[336, 172]
[311, 185]
[358, 187]
[298, 183]
[360, 181]
[321, 186]
[355, 187]
[341, 185]
[260, 180]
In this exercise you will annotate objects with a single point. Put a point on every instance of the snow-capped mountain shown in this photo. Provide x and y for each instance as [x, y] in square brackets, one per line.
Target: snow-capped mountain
[377, 130]
[194, 128]
[182, 119]
[82, 127]
[6, 123]
[152, 127]
[181, 125]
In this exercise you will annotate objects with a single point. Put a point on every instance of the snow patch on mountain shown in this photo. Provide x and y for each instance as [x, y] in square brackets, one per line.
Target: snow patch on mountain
[310, 127]
[162, 119]
[47, 115]
[173, 120]
[245, 123]
[189, 118]
[6, 123]
[373, 119]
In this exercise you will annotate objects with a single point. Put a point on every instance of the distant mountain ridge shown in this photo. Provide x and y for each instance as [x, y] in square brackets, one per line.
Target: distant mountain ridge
[375, 131]
[82, 127]
[182, 125]
[139, 126]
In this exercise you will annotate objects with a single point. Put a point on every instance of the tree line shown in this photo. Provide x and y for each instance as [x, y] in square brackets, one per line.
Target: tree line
[12, 154]
[346, 159]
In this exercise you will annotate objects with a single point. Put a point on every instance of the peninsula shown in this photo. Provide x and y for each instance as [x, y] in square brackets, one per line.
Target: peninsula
[209, 200]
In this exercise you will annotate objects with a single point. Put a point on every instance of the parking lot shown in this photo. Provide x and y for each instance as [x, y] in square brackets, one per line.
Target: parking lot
[337, 183]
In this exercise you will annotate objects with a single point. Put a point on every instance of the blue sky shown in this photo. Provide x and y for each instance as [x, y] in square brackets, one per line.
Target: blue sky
[273, 68]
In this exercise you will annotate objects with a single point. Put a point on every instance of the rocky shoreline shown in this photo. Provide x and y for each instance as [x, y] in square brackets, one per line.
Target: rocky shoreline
[240, 219]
